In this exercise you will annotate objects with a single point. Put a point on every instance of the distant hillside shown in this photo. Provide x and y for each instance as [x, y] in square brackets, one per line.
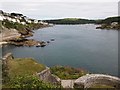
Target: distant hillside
[108, 20]
[109, 23]
[71, 21]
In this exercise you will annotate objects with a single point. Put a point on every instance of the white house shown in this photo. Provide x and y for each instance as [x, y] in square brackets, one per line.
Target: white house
[14, 20]
[3, 17]
[23, 23]
[29, 21]
[45, 23]
[35, 21]
[18, 20]
[9, 19]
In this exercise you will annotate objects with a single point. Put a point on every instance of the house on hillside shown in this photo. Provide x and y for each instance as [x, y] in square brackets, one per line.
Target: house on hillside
[35, 21]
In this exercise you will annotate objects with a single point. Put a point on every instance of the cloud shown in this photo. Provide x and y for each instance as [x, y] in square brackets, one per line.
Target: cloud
[45, 10]
[59, 1]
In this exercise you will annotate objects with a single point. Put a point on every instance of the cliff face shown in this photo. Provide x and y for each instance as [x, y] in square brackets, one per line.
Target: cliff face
[14, 25]
[9, 34]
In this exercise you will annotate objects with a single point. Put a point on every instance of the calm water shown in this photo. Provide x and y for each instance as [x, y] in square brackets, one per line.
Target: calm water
[75, 45]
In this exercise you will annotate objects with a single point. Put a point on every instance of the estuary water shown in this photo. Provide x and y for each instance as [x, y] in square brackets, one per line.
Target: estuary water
[81, 46]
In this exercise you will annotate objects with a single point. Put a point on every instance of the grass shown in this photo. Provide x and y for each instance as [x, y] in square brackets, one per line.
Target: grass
[22, 66]
[102, 86]
[65, 72]
[21, 75]
[28, 82]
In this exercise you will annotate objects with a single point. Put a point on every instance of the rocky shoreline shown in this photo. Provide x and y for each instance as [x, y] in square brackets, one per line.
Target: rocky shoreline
[27, 42]
[15, 28]
[113, 26]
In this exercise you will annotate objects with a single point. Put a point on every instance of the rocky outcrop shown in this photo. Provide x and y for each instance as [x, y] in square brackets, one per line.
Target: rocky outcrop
[113, 25]
[90, 80]
[110, 23]
[8, 34]
[5, 59]
[27, 42]
[8, 56]
[5, 67]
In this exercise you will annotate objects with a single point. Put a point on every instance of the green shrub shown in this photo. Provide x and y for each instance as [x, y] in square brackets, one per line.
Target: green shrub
[28, 82]
[65, 72]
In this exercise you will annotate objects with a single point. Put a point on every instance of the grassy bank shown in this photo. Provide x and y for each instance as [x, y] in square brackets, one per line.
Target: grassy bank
[20, 73]
[22, 66]
[66, 72]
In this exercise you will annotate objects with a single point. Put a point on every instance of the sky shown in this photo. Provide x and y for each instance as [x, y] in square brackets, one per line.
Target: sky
[55, 9]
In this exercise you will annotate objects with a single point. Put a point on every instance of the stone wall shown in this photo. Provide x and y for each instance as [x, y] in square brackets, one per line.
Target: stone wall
[46, 75]
[96, 79]
[5, 59]
[8, 56]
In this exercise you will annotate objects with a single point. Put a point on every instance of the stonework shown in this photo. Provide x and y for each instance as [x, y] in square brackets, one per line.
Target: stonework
[46, 75]
[97, 79]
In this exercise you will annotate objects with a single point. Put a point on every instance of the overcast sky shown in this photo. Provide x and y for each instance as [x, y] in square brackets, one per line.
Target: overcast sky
[62, 9]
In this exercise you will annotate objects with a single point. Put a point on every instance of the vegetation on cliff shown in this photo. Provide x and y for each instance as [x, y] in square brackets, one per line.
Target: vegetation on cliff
[25, 30]
[20, 73]
[108, 20]
[66, 72]
[28, 82]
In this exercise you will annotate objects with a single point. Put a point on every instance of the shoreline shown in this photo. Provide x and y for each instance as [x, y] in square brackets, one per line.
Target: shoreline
[18, 39]
[3, 43]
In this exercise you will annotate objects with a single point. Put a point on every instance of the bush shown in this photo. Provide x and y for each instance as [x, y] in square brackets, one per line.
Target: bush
[65, 72]
[28, 82]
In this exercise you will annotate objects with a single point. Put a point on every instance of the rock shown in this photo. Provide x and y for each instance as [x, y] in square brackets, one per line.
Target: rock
[48, 41]
[114, 26]
[52, 39]
[98, 27]
[43, 45]
[47, 76]
[27, 42]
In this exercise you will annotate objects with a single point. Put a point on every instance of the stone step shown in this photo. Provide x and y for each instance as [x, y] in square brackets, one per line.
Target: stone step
[67, 83]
